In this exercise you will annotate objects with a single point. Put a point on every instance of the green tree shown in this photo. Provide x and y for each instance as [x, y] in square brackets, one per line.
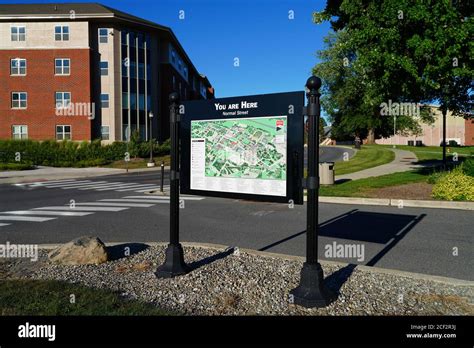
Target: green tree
[396, 50]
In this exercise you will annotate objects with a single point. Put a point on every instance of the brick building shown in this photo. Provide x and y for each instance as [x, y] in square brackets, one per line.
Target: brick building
[87, 71]
[458, 129]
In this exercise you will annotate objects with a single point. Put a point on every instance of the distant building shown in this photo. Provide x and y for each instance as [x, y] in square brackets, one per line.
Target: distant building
[457, 129]
[86, 71]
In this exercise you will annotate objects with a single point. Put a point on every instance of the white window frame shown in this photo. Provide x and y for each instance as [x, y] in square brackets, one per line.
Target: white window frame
[63, 103]
[63, 132]
[19, 100]
[102, 101]
[18, 66]
[20, 134]
[101, 36]
[16, 37]
[102, 133]
[104, 71]
[62, 67]
[61, 36]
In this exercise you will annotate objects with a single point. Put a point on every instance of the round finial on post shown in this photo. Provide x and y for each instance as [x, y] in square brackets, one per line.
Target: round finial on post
[174, 97]
[313, 83]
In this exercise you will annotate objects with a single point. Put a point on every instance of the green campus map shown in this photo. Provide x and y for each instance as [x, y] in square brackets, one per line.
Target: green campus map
[247, 148]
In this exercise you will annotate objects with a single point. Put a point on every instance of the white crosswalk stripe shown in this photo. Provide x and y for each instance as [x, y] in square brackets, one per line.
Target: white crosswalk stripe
[145, 188]
[40, 183]
[131, 205]
[83, 185]
[45, 212]
[122, 186]
[24, 218]
[134, 200]
[89, 184]
[154, 197]
[82, 208]
[74, 183]
[100, 186]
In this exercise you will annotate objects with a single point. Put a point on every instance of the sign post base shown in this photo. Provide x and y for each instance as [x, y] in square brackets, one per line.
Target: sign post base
[174, 264]
[312, 292]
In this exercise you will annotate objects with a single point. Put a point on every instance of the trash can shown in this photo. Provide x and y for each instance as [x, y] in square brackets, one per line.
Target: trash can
[326, 173]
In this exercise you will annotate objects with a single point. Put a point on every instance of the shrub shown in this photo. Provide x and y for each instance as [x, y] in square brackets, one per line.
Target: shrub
[468, 167]
[74, 154]
[16, 166]
[454, 186]
[434, 177]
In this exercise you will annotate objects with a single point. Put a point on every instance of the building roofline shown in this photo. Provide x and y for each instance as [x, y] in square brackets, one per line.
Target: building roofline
[109, 13]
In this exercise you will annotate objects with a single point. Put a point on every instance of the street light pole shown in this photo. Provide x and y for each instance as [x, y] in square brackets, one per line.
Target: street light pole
[311, 291]
[151, 163]
[394, 129]
[174, 264]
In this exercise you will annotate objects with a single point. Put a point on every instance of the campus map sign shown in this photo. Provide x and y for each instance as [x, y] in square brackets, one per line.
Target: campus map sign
[244, 147]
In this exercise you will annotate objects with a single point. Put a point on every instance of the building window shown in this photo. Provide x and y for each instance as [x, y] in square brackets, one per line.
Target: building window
[125, 65]
[104, 132]
[63, 132]
[141, 71]
[103, 35]
[18, 66]
[141, 102]
[62, 66]
[124, 100]
[173, 56]
[104, 100]
[61, 33]
[174, 83]
[20, 132]
[63, 99]
[133, 70]
[104, 68]
[18, 33]
[133, 101]
[19, 100]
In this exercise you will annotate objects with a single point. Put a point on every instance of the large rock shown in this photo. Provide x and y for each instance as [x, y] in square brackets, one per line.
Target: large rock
[84, 250]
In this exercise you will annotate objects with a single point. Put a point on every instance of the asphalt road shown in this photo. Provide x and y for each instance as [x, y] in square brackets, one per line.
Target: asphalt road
[409, 239]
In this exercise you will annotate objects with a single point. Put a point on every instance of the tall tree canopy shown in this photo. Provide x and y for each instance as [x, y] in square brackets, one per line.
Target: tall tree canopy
[394, 50]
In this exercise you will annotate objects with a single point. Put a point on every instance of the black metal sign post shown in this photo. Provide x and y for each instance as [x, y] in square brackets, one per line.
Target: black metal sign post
[311, 291]
[174, 264]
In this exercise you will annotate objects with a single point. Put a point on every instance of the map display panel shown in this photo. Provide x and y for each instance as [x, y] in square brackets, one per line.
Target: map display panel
[241, 155]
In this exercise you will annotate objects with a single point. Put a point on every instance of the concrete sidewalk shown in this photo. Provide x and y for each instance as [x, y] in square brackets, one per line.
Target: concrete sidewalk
[52, 173]
[404, 161]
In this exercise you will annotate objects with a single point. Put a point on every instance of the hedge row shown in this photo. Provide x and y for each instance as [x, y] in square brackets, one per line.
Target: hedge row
[73, 154]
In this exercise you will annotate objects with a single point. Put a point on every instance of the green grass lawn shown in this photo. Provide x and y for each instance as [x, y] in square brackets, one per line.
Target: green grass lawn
[366, 157]
[429, 153]
[138, 163]
[48, 297]
[358, 188]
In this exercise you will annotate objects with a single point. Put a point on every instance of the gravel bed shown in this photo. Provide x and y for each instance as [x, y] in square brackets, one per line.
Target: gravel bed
[227, 284]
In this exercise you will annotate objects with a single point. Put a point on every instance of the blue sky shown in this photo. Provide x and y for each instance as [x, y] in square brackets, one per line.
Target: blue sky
[276, 54]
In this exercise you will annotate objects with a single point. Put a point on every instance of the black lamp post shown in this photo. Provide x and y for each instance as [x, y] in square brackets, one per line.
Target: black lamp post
[151, 163]
[311, 291]
[174, 264]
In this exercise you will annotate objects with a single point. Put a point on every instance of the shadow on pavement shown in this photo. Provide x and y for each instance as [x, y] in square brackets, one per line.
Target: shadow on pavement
[372, 227]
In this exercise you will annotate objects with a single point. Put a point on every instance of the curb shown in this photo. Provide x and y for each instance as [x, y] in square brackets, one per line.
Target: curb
[413, 203]
[377, 270]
